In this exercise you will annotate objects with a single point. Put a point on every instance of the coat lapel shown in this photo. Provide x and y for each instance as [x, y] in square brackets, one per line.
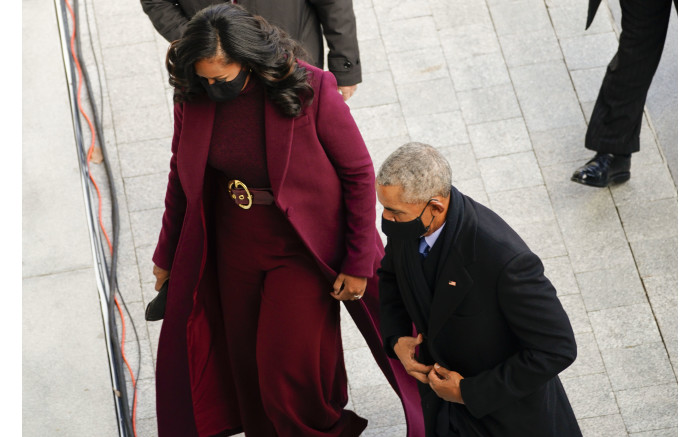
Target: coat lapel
[193, 150]
[403, 273]
[453, 281]
[279, 130]
[451, 287]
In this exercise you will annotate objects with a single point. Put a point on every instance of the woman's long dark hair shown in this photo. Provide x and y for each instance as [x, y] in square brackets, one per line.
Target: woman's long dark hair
[229, 30]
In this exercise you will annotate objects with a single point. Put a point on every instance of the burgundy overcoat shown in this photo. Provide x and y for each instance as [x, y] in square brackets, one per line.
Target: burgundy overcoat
[323, 180]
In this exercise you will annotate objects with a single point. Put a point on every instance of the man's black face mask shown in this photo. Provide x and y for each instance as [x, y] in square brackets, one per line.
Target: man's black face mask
[407, 230]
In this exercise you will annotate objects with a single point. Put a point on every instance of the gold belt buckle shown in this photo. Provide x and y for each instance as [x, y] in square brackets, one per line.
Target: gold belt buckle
[238, 184]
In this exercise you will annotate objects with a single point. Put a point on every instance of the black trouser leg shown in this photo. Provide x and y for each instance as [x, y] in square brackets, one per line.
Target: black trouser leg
[617, 115]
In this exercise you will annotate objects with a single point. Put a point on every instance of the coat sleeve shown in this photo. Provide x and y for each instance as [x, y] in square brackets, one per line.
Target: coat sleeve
[535, 316]
[346, 150]
[340, 29]
[175, 205]
[167, 17]
[393, 317]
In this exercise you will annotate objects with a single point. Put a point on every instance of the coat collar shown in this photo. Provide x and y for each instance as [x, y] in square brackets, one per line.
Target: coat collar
[465, 216]
[195, 138]
[453, 280]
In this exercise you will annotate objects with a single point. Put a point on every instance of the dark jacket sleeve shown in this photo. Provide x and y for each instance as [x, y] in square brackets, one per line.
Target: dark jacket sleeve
[340, 29]
[535, 316]
[393, 317]
[175, 205]
[167, 17]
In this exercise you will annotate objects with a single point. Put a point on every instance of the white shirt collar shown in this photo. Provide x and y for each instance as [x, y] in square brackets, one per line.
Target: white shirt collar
[432, 238]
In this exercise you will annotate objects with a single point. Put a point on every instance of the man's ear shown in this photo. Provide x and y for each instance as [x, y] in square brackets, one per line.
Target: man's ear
[437, 207]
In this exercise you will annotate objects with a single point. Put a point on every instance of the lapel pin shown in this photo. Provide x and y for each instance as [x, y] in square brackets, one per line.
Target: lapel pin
[452, 283]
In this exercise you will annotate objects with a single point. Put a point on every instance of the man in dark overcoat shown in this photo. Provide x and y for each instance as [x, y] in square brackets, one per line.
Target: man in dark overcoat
[306, 21]
[492, 335]
[616, 121]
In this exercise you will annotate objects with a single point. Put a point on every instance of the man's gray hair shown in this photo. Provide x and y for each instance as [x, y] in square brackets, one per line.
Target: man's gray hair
[419, 169]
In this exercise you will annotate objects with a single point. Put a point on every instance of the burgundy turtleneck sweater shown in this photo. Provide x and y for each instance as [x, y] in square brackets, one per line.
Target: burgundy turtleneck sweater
[238, 140]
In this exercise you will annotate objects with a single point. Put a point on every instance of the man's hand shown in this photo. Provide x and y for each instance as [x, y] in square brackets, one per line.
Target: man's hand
[161, 276]
[445, 383]
[405, 349]
[347, 91]
[348, 287]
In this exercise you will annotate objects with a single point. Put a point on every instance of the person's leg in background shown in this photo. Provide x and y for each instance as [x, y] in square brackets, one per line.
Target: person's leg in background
[613, 130]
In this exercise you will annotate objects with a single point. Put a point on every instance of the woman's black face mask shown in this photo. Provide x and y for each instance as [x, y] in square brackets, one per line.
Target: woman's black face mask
[223, 91]
[407, 230]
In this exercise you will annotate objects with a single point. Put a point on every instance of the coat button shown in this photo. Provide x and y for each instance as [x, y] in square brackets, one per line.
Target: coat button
[347, 65]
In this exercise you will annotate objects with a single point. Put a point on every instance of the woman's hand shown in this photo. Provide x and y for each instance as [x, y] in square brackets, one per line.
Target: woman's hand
[348, 287]
[161, 275]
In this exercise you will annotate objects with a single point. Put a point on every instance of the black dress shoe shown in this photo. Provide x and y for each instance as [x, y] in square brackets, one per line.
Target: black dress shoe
[603, 170]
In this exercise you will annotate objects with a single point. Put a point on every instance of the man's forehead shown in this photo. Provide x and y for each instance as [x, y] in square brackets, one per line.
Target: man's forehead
[390, 198]
[389, 193]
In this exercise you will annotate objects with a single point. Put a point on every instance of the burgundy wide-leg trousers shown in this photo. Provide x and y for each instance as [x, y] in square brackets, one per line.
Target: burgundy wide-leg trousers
[282, 328]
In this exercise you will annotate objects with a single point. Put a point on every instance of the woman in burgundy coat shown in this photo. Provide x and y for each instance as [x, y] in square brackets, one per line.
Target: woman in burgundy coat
[269, 222]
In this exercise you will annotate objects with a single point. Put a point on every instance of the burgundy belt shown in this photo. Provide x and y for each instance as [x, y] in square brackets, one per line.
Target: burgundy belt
[246, 197]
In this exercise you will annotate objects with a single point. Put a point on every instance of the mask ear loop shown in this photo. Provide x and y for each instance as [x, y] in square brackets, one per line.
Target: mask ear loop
[421, 214]
[426, 205]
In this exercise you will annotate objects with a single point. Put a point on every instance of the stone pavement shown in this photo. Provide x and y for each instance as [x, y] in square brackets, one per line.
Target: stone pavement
[504, 89]
[65, 377]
